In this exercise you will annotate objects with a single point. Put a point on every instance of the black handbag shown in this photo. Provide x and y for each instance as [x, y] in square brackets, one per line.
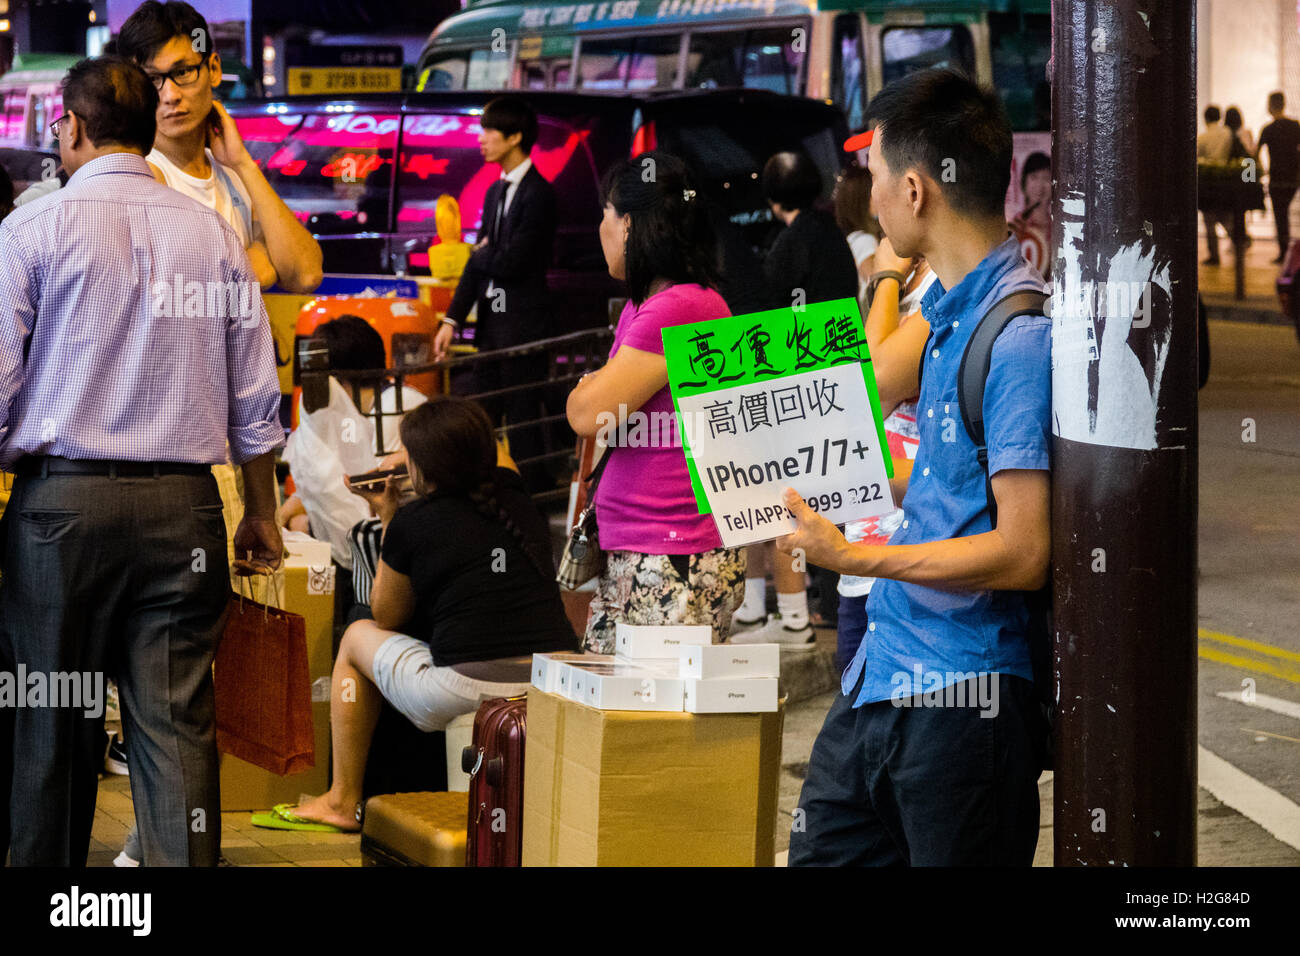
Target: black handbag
[583, 559]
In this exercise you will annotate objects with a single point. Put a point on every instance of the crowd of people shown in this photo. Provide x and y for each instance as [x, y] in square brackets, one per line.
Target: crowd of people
[152, 442]
[1226, 139]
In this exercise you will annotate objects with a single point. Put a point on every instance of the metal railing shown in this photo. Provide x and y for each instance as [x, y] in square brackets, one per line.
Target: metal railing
[567, 359]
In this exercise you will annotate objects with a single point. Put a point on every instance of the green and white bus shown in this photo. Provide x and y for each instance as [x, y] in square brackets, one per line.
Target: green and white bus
[837, 50]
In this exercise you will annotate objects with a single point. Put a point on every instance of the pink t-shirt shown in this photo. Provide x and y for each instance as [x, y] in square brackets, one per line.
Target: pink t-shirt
[644, 502]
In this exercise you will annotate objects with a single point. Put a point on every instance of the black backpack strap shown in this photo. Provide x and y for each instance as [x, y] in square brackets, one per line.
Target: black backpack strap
[973, 373]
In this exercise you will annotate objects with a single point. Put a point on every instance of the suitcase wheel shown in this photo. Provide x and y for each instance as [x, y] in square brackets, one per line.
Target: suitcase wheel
[494, 770]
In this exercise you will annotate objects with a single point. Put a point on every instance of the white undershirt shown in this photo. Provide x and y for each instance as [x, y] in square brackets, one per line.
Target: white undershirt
[221, 192]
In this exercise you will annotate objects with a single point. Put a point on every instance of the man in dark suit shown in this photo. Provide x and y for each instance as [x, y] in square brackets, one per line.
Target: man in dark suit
[506, 275]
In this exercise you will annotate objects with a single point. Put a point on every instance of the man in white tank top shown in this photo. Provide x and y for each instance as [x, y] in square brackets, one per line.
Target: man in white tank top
[198, 150]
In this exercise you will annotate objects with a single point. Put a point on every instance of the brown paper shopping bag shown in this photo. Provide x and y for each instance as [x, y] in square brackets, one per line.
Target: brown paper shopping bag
[262, 688]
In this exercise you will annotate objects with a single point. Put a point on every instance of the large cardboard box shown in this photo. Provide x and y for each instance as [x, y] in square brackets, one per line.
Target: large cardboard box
[626, 788]
[306, 587]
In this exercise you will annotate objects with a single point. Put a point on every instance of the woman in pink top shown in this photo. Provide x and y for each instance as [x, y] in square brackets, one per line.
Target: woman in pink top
[666, 563]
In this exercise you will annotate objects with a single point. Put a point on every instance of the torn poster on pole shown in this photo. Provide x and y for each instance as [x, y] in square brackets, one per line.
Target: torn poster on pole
[777, 399]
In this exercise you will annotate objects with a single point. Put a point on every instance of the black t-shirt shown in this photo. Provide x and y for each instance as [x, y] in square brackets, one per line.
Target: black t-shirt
[1282, 137]
[811, 254]
[477, 595]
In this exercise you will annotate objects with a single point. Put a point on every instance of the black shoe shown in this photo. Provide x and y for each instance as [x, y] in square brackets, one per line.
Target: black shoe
[115, 759]
[1212, 261]
[1278, 260]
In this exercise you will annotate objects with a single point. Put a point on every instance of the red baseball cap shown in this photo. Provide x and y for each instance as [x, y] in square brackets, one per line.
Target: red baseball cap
[860, 141]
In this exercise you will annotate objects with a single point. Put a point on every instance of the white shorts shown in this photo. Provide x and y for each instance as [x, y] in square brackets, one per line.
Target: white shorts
[429, 697]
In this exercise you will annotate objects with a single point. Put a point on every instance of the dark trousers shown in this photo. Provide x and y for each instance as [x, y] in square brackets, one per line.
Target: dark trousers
[850, 629]
[125, 577]
[525, 405]
[921, 786]
[1211, 233]
[1280, 197]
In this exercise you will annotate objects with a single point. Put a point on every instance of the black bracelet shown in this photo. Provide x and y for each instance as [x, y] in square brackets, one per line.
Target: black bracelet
[883, 274]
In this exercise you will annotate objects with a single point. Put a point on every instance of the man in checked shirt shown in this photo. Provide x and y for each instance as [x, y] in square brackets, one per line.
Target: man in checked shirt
[118, 394]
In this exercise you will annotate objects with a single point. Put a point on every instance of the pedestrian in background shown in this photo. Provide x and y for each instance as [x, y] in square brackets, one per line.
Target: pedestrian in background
[896, 333]
[1282, 138]
[1240, 147]
[810, 261]
[115, 411]
[1215, 146]
[665, 563]
[854, 216]
[505, 282]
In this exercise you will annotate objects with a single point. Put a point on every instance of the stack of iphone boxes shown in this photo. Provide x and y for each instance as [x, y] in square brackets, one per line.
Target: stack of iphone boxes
[666, 668]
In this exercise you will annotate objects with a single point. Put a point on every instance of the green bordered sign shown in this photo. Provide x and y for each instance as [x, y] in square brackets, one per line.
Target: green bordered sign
[777, 399]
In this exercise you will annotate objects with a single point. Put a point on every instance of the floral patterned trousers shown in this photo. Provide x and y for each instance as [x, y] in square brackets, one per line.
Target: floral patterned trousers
[647, 589]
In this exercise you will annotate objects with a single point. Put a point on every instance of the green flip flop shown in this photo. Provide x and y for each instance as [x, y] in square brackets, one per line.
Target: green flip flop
[282, 817]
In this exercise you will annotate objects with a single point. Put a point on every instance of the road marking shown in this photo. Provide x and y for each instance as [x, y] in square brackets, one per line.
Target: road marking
[1287, 708]
[1290, 674]
[1266, 733]
[1257, 646]
[1264, 805]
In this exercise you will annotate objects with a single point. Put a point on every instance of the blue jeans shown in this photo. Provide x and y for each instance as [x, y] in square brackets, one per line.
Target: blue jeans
[890, 785]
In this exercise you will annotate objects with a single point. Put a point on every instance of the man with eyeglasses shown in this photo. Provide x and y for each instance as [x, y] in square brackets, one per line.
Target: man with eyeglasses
[199, 152]
[112, 412]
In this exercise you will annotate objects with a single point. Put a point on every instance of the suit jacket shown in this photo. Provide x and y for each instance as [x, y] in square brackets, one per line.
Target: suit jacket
[516, 264]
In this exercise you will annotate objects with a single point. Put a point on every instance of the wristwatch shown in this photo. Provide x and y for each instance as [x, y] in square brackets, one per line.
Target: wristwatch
[878, 277]
[452, 322]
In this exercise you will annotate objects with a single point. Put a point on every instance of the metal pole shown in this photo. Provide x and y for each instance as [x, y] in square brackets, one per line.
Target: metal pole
[1124, 493]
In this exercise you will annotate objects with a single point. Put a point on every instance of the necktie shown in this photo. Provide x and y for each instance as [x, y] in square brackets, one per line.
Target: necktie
[501, 210]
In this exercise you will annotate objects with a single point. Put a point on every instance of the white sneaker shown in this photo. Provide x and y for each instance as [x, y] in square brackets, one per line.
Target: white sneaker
[775, 632]
[123, 860]
[739, 625]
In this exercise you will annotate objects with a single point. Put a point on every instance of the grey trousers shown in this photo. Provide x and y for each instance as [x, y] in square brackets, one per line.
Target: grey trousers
[123, 577]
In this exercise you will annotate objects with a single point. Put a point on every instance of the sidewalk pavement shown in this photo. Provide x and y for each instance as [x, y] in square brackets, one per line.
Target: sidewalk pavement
[1218, 283]
[1225, 837]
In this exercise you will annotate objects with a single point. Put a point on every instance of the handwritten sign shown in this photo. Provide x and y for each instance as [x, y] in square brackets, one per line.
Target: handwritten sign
[777, 399]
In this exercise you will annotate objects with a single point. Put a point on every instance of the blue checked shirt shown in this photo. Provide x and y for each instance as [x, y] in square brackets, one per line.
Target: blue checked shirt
[954, 633]
[130, 327]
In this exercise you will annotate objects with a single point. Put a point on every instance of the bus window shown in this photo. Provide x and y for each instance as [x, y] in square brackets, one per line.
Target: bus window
[487, 71]
[654, 63]
[603, 64]
[532, 75]
[759, 59]
[846, 69]
[908, 49]
[333, 170]
[770, 61]
[1020, 45]
[641, 63]
[447, 72]
[14, 133]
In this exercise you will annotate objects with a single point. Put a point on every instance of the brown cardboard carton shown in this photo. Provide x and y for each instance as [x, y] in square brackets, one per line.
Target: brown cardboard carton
[308, 591]
[628, 788]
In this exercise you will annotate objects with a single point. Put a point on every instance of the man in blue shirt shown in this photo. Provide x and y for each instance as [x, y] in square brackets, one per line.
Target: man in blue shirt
[928, 757]
[133, 349]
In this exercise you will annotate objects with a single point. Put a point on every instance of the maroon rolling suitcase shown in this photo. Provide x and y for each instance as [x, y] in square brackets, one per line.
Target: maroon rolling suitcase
[495, 763]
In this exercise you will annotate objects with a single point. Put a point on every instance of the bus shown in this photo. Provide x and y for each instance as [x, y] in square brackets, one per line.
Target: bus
[30, 99]
[837, 50]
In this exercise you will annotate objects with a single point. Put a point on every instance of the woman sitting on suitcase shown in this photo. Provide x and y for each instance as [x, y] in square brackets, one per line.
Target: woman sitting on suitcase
[465, 593]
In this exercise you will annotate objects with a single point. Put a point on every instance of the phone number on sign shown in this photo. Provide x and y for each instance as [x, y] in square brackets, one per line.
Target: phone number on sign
[748, 519]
